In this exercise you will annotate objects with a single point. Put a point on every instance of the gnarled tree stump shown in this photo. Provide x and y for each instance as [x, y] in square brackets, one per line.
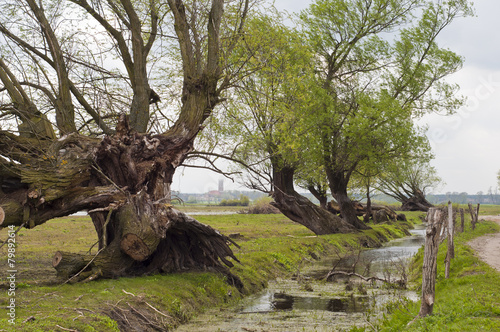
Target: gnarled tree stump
[124, 181]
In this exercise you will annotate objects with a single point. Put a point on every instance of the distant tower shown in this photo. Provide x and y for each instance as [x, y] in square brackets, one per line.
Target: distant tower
[221, 185]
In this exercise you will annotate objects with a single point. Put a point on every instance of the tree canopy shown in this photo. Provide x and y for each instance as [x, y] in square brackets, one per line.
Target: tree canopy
[369, 70]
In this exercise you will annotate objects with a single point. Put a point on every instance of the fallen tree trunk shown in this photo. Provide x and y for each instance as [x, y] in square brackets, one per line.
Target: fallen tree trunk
[416, 203]
[379, 213]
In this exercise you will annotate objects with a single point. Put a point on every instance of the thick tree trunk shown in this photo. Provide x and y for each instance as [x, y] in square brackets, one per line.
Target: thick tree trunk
[338, 187]
[124, 181]
[300, 209]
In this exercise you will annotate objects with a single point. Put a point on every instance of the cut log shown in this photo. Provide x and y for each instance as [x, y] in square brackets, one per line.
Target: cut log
[68, 264]
[139, 236]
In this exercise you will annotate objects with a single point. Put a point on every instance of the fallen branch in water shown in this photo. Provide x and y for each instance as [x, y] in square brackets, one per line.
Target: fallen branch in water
[399, 283]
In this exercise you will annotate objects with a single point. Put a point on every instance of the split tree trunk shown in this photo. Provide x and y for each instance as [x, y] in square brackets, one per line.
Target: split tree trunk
[435, 220]
[300, 209]
[124, 180]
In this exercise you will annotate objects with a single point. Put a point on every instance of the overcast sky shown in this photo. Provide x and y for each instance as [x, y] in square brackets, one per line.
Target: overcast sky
[467, 144]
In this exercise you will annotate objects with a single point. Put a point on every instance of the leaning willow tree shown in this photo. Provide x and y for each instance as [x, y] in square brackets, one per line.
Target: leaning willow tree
[82, 83]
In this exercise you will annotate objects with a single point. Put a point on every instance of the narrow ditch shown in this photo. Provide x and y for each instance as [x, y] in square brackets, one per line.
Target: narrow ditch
[305, 303]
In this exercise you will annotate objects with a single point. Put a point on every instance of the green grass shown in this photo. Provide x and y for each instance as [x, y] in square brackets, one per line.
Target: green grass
[468, 301]
[271, 246]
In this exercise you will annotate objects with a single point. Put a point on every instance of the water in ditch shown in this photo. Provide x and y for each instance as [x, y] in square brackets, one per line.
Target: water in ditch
[308, 304]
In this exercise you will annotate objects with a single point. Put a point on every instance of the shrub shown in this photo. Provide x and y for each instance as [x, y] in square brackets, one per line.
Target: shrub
[262, 206]
[243, 201]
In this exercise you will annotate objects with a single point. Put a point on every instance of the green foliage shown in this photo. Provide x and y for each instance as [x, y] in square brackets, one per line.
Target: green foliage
[242, 201]
[370, 88]
[283, 261]
[405, 177]
[336, 95]
[264, 108]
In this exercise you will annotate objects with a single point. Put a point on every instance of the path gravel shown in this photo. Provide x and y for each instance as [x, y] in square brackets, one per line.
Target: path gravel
[488, 247]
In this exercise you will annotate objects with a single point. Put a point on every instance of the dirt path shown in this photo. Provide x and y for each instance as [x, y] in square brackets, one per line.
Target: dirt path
[488, 246]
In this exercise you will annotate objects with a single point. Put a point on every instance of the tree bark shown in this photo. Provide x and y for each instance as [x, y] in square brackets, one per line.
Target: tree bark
[338, 187]
[122, 180]
[435, 220]
[450, 254]
[300, 209]
[462, 221]
[474, 215]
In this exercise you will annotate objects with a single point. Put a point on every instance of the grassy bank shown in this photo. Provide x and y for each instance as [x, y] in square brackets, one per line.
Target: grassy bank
[468, 301]
[271, 246]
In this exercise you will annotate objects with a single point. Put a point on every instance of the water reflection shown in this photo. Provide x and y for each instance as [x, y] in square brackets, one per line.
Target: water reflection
[381, 262]
[270, 301]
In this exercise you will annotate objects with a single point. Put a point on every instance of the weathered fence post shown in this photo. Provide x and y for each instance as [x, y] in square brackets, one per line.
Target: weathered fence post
[450, 254]
[435, 218]
[474, 213]
[462, 220]
[477, 215]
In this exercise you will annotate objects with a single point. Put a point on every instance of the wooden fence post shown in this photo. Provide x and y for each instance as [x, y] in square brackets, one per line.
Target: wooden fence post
[462, 220]
[474, 215]
[435, 219]
[477, 215]
[471, 216]
[450, 254]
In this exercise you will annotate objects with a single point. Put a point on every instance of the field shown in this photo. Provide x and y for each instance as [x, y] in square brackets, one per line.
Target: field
[271, 246]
